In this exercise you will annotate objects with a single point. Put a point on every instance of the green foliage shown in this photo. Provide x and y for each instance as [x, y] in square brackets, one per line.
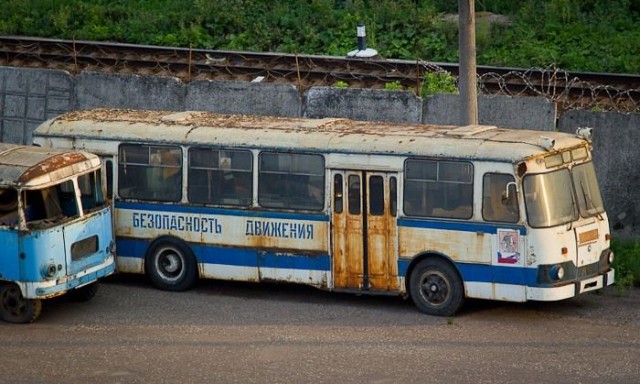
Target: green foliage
[438, 82]
[588, 35]
[341, 84]
[393, 86]
[626, 263]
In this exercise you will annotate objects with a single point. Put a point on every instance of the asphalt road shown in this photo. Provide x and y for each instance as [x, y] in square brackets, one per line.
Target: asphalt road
[224, 332]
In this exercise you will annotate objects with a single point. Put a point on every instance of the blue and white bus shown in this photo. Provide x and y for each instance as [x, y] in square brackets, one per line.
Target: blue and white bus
[55, 228]
[437, 213]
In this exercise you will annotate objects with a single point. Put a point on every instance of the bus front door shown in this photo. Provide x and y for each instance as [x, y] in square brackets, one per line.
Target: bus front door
[363, 231]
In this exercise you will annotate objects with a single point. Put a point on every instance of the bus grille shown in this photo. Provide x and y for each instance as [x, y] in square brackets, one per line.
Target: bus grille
[588, 270]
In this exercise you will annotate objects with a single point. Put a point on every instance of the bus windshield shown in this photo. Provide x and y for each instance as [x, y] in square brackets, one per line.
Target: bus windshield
[586, 185]
[551, 200]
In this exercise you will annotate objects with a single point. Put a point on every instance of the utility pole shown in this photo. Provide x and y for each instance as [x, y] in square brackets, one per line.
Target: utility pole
[467, 82]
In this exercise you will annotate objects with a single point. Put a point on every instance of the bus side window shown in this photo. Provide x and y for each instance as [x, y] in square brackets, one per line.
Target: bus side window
[8, 206]
[220, 177]
[150, 172]
[495, 204]
[291, 181]
[108, 166]
[438, 188]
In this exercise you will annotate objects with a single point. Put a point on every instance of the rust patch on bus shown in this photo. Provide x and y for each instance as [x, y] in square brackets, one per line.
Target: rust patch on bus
[51, 164]
[589, 236]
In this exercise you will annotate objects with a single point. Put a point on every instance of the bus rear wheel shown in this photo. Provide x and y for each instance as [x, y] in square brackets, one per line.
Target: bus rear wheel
[171, 265]
[436, 288]
[14, 308]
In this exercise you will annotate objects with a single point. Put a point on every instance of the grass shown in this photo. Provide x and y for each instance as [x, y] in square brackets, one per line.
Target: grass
[626, 263]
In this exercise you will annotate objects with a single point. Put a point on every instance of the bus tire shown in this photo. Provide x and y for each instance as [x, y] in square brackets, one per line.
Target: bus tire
[14, 308]
[85, 293]
[436, 288]
[171, 265]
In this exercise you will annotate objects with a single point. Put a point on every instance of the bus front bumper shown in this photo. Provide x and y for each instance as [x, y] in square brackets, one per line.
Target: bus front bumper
[53, 288]
[572, 289]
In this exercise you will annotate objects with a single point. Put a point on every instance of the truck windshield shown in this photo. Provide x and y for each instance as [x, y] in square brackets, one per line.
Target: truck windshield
[550, 198]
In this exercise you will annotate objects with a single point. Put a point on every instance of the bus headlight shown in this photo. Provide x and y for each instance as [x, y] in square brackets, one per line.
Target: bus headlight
[49, 271]
[111, 249]
[610, 257]
[556, 272]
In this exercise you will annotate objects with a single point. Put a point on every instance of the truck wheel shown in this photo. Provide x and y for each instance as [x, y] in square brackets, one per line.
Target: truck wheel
[16, 309]
[436, 288]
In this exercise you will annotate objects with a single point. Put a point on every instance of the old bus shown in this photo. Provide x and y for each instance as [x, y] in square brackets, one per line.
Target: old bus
[437, 213]
[55, 228]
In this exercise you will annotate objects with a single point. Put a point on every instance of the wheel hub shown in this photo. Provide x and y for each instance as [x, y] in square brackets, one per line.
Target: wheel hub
[171, 263]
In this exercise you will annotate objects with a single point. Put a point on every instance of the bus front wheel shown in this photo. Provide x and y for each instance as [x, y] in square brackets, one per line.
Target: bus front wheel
[14, 308]
[171, 265]
[436, 288]
[85, 293]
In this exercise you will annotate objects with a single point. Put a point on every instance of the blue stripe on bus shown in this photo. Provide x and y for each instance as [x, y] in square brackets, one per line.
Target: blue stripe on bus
[240, 257]
[459, 225]
[220, 211]
[322, 262]
[483, 273]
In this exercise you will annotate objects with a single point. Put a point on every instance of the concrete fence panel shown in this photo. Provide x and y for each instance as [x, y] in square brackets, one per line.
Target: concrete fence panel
[243, 98]
[30, 96]
[363, 104]
[115, 90]
[518, 112]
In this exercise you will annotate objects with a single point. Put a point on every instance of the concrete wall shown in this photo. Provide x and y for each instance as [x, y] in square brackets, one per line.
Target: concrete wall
[30, 96]
[503, 111]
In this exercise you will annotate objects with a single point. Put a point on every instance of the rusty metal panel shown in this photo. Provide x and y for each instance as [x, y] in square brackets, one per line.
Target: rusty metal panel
[348, 242]
[588, 236]
[33, 166]
[381, 244]
[462, 246]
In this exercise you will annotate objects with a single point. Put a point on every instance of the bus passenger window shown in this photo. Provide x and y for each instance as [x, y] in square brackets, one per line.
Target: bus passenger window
[148, 172]
[354, 194]
[438, 189]
[496, 206]
[376, 195]
[222, 177]
[291, 180]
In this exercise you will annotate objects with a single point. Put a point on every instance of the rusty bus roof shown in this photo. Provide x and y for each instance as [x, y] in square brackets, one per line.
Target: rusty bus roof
[30, 167]
[329, 134]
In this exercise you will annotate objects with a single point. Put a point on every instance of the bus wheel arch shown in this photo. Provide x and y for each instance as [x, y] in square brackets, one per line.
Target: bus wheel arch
[435, 285]
[171, 264]
[14, 308]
